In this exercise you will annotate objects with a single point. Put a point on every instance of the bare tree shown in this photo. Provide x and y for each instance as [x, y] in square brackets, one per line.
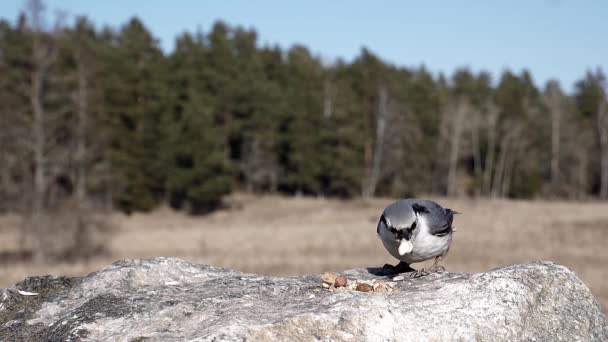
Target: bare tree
[456, 120]
[553, 99]
[499, 169]
[581, 179]
[514, 145]
[82, 127]
[474, 127]
[382, 117]
[43, 56]
[492, 115]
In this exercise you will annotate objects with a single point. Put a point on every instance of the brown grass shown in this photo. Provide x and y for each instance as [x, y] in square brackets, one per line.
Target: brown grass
[277, 235]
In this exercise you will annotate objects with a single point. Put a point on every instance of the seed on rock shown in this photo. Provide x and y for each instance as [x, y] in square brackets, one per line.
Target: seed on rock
[380, 287]
[326, 285]
[398, 278]
[329, 278]
[341, 281]
[362, 287]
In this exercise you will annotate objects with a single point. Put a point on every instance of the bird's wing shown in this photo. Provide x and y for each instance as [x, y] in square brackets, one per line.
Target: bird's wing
[381, 222]
[438, 219]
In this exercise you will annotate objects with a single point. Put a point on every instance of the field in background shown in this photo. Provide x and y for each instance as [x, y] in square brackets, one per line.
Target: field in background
[288, 236]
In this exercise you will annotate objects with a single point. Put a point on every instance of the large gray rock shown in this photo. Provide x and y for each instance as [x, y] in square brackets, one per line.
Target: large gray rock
[171, 300]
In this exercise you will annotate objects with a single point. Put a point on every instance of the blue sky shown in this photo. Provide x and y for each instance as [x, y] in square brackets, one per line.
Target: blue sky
[551, 38]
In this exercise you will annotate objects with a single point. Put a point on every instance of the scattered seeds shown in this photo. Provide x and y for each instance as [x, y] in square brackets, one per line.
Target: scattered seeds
[329, 278]
[333, 282]
[26, 293]
[380, 287]
[341, 281]
[363, 287]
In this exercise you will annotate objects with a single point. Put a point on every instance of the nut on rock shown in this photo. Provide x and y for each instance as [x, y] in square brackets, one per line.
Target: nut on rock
[341, 281]
[363, 287]
[381, 287]
[329, 278]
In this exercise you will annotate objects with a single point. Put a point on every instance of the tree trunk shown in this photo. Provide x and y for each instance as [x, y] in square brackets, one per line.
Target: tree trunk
[500, 167]
[555, 144]
[40, 164]
[514, 144]
[43, 55]
[491, 153]
[83, 118]
[455, 147]
[5, 176]
[477, 169]
[553, 99]
[381, 119]
[602, 126]
[582, 174]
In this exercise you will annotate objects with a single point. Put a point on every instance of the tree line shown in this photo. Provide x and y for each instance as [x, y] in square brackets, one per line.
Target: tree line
[105, 117]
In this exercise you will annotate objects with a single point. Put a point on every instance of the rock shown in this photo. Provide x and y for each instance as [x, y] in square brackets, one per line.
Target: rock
[341, 281]
[166, 299]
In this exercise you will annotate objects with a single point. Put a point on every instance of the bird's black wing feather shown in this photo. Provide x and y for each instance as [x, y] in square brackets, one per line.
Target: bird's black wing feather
[439, 220]
[382, 220]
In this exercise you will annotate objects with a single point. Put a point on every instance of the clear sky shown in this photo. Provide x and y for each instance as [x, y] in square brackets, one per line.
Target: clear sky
[551, 38]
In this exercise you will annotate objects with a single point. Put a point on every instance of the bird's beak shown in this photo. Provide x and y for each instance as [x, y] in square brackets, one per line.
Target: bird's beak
[405, 246]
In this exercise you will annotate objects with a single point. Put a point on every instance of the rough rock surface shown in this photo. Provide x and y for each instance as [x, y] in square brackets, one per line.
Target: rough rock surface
[168, 299]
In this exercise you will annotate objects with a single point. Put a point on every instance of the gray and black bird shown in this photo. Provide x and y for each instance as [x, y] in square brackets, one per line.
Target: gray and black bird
[415, 230]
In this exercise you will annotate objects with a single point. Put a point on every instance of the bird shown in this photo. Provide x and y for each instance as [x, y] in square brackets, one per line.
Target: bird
[415, 230]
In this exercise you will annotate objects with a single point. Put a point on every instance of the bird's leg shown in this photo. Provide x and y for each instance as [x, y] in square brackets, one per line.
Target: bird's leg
[426, 271]
[436, 267]
[401, 267]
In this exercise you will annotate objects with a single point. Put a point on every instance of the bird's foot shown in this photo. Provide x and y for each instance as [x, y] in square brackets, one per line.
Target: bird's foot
[419, 273]
[436, 269]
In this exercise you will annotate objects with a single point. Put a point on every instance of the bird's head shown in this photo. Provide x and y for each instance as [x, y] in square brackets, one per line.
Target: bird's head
[400, 231]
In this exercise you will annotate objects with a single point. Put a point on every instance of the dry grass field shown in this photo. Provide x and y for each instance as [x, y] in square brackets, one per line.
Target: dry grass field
[277, 235]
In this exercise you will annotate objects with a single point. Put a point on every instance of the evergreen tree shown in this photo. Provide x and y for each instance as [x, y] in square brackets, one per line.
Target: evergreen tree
[341, 144]
[108, 114]
[592, 102]
[299, 139]
[15, 154]
[136, 82]
[197, 174]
